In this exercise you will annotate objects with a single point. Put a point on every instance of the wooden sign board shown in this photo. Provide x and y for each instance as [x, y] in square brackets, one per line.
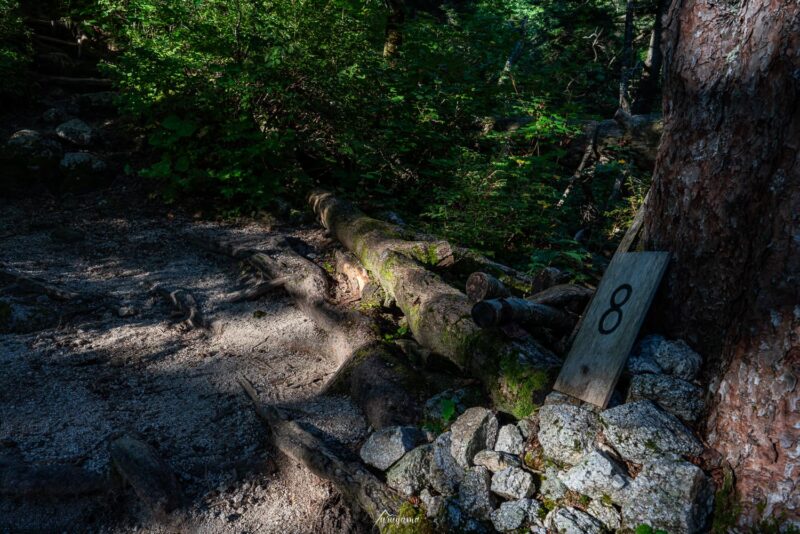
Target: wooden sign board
[610, 326]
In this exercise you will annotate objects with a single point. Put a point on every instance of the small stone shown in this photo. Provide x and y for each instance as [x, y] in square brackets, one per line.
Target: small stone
[567, 432]
[444, 473]
[127, 311]
[473, 431]
[496, 461]
[76, 132]
[672, 495]
[509, 440]
[527, 428]
[408, 475]
[512, 514]
[572, 521]
[674, 358]
[474, 495]
[513, 483]
[605, 513]
[599, 477]
[640, 431]
[434, 504]
[551, 486]
[678, 397]
[384, 447]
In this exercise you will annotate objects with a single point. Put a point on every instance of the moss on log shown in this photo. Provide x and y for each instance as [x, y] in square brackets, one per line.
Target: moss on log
[438, 314]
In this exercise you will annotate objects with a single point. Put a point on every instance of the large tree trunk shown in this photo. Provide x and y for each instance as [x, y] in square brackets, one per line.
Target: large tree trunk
[726, 202]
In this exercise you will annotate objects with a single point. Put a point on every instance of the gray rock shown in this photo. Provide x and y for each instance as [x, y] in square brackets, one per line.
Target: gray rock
[444, 474]
[496, 461]
[567, 432]
[75, 162]
[672, 495]
[55, 115]
[512, 514]
[513, 483]
[551, 486]
[509, 440]
[640, 431]
[474, 495]
[672, 357]
[572, 521]
[473, 431]
[33, 149]
[127, 311]
[76, 132]
[408, 476]
[457, 520]
[527, 428]
[678, 397]
[384, 447]
[434, 504]
[605, 513]
[433, 406]
[599, 477]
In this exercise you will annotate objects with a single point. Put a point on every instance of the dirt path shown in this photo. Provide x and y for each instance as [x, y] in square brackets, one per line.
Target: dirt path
[71, 380]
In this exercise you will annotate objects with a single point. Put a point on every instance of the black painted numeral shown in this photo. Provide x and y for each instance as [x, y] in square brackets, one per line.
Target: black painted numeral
[615, 309]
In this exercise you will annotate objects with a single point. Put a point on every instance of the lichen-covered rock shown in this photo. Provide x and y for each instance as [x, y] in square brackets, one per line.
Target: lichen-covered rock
[409, 475]
[672, 495]
[513, 483]
[641, 431]
[76, 132]
[509, 440]
[512, 514]
[474, 495]
[669, 357]
[496, 461]
[598, 476]
[567, 432]
[473, 431]
[444, 474]
[676, 396]
[384, 447]
[527, 427]
[572, 521]
[434, 504]
[605, 513]
[551, 486]
[458, 520]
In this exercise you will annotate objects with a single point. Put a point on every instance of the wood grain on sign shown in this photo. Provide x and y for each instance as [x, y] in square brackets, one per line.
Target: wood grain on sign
[610, 326]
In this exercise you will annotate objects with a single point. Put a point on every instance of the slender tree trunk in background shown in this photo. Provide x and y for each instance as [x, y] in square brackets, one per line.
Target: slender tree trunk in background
[726, 202]
[646, 95]
[627, 59]
[394, 27]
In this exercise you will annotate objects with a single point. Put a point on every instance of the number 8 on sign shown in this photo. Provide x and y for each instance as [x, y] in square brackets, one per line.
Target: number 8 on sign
[615, 309]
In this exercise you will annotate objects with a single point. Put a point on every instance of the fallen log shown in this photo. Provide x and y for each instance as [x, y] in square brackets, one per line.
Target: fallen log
[517, 374]
[150, 477]
[567, 296]
[483, 286]
[355, 482]
[503, 311]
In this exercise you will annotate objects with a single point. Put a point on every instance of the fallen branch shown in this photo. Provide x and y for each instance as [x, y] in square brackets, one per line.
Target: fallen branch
[351, 478]
[184, 304]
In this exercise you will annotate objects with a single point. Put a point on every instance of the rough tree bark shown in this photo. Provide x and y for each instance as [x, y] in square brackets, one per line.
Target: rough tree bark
[726, 202]
[394, 27]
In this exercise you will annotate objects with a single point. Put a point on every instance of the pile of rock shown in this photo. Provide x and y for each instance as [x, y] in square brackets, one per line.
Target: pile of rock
[570, 468]
[62, 147]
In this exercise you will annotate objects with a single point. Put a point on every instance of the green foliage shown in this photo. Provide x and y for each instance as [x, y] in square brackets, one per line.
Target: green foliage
[647, 529]
[242, 100]
[15, 52]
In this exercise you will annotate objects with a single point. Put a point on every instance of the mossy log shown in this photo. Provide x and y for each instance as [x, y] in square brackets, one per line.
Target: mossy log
[571, 297]
[503, 311]
[514, 372]
[358, 485]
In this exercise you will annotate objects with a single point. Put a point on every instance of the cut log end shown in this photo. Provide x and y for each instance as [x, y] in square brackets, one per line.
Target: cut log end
[482, 286]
